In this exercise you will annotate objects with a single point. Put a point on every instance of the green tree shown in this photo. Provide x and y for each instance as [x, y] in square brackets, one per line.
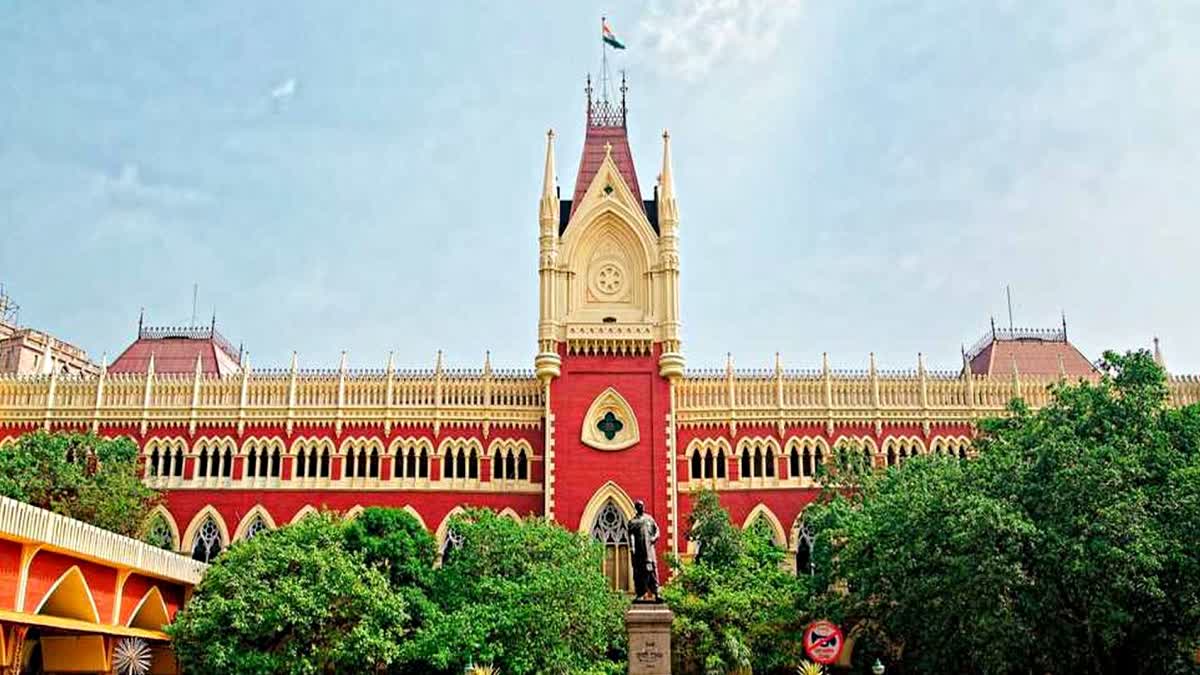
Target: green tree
[291, 601]
[1068, 546]
[82, 476]
[736, 605]
[527, 597]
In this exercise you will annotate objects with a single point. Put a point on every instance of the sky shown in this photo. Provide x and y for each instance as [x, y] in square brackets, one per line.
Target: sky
[852, 177]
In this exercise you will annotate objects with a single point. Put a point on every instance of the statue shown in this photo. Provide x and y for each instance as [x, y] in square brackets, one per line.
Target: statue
[643, 534]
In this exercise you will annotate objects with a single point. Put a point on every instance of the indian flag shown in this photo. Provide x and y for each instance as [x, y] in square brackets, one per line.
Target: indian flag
[607, 35]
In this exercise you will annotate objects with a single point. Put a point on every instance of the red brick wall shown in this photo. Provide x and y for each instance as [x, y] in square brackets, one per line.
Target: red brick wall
[47, 567]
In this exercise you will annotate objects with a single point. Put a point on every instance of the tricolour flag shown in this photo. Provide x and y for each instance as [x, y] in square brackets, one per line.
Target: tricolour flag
[609, 38]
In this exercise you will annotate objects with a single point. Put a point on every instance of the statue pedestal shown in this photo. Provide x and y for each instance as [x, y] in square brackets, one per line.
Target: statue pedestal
[649, 629]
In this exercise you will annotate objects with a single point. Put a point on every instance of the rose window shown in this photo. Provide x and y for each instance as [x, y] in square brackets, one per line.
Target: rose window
[608, 279]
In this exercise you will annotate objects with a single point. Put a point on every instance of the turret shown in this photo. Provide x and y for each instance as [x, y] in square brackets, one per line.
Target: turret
[547, 364]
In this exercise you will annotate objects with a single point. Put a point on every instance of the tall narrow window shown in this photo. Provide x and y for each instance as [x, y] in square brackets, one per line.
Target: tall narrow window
[769, 462]
[804, 561]
[473, 465]
[178, 463]
[807, 469]
[374, 467]
[609, 529]
[423, 465]
[227, 463]
[720, 463]
[202, 471]
[325, 463]
[746, 463]
[152, 465]
[794, 462]
[207, 545]
[275, 464]
[522, 466]
[696, 470]
[301, 463]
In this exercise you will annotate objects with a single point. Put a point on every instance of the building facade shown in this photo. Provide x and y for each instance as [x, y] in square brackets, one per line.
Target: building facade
[609, 414]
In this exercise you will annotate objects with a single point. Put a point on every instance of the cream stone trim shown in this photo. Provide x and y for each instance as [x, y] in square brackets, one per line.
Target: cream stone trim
[600, 497]
[193, 528]
[509, 512]
[257, 511]
[304, 512]
[152, 603]
[448, 450]
[802, 445]
[904, 447]
[361, 443]
[774, 454]
[761, 510]
[794, 533]
[398, 446]
[73, 584]
[25, 523]
[950, 445]
[312, 443]
[161, 511]
[354, 512]
[413, 512]
[610, 400]
[712, 446]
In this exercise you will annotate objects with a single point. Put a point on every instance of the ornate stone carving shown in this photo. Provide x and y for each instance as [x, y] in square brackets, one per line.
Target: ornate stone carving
[610, 423]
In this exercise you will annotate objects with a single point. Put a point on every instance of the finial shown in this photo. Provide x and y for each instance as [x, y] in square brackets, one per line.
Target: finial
[872, 362]
[213, 326]
[778, 364]
[241, 352]
[729, 363]
[104, 362]
[993, 328]
[245, 362]
[48, 357]
[1064, 324]
[437, 364]
[825, 363]
[1016, 372]
[607, 150]
[295, 362]
[1062, 367]
[624, 109]
[920, 363]
[1158, 356]
[487, 362]
[342, 365]
[141, 320]
[548, 179]
[391, 362]
[666, 180]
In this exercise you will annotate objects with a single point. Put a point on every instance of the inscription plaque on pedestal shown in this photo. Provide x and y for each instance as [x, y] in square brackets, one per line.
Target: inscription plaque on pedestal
[649, 628]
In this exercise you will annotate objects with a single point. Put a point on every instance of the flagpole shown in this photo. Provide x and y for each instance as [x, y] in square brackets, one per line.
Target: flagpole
[603, 61]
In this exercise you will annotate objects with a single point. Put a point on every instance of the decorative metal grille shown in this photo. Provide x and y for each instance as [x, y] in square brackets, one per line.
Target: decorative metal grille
[208, 542]
[256, 528]
[159, 534]
[132, 656]
[610, 527]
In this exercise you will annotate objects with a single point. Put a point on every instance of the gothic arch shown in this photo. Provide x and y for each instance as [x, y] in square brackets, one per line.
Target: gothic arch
[219, 443]
[609, 490]
[413, 512]
[189, 536]
[70, 598]
[304, 512]
[262, 444]
[354, 512]
[613, 242]
[610, 402]
[762, 511]
[161, 511]
[312, 443]
[757, 441]
[713, 444]
[415, 442]
[259, 511]
[465, 443]
[508, 512]
[150, 612]
[439, 536]
[361, 443]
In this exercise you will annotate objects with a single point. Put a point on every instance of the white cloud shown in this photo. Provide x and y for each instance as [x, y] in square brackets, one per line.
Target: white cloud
[284, 90]
[689, 37]
[127, 188]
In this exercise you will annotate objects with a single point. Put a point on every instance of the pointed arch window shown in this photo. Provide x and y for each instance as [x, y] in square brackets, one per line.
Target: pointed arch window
[152, 467]
[804, 552]
[177, 466]
[452, 543]
[611, 529]
[255, 528]
[252, 462]
[159, 534]
[207, 545]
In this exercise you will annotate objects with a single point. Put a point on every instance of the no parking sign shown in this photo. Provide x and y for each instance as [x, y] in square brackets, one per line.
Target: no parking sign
[823, 642]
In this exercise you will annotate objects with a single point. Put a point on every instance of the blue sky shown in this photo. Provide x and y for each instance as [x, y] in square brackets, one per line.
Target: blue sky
[852, 177]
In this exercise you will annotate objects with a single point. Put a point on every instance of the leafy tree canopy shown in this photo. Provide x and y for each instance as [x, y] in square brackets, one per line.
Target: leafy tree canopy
[526, 597]
[295, 600]
[82, 476]
[1068, 546]
[737, 605]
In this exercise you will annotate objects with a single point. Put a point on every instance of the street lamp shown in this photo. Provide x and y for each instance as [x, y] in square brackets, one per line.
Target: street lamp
[878, 668]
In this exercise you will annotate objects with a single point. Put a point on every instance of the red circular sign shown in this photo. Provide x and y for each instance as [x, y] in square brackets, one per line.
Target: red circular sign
[823, 642]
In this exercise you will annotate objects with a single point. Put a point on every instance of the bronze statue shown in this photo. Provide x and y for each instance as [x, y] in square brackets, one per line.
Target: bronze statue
[643, 534]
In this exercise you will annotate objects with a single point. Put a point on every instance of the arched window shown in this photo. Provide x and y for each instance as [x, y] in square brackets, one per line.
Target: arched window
[275, 461]
[159, 534]
[227, 463]
[453, 542]
[152, 464]
[794, 462]
[818, 459]
[374, 466]
[609, 529]
[804, 552]
[697, 470]
[202, 470]
[522, 466]
[746, 464]
[325, 463]
[177, 466]
[302, 463]
[252, 463]
[758, 460]
[721, 463]
[255, 528]
[891, 455]
[207, 545]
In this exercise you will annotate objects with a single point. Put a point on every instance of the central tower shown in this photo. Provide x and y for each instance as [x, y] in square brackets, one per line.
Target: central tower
[608, 335]
[609, 260]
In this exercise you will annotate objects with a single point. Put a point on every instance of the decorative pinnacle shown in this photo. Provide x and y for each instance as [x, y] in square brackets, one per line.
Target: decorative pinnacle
[391, 362]
[778, 364]
[342, 365]
[200, 364]
[295, 362]
[487, 362]
[825, 362]
[607, 150]
[729, 363]
[548, 179]
[920, 363]
[150, 366]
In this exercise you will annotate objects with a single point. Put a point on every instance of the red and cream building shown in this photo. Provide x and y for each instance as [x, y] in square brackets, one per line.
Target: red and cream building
[609, 414]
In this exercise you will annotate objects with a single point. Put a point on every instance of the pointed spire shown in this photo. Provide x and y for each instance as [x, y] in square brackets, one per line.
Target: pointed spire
[342, 364]
[548, 206]
[872, 364]
[391, 362]
[48, 356]
[778, 364]
[295, 362]
[666, 181]
[549, 179]
[104, 362]
[150, 366]
[921, 363]
[487, 362]
[729, 363]
[1158, 356]
[141, 321]
[437, 364]
[1064, 324]
[824, 363]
